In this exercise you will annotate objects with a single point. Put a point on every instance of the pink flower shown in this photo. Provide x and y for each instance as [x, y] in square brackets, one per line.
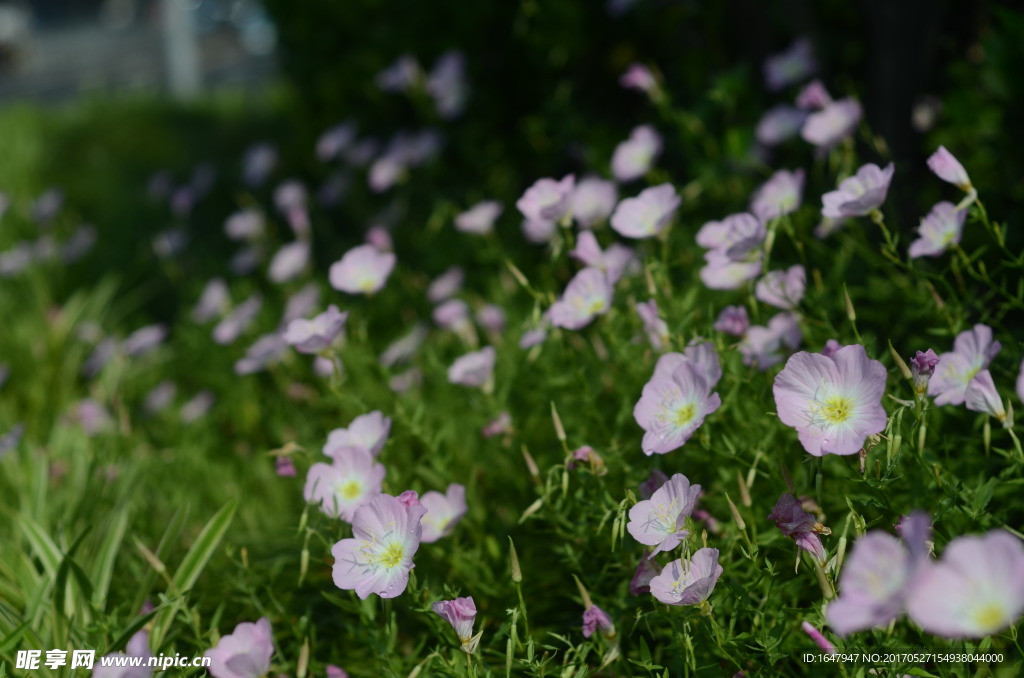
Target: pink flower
[379, 237]
[533, 338]
[860, 194]
[547, 200]
[790, 67]
[447, 84]
[213, 302]
[836, 121]
[313, 336]
[474, 369]
[648, 487]
[830, 348]
[778, 124]
[301, 303]
[733, 320]
[400, 76]
[834, 402]
[284, 467]
[688, 583]
[871, 585]
[941, 228]
[588, 456]
[479, 219]
[638, 77]
[922, 367]
[614, 261]
[491, 317]
[762, 346]
[453, 315]
[949, 169]
[828, 226]
[460, 613]
[379, 556]
[289, 261]
[975, 590]
[595, 618]
[405, 347]
[648, 214]
[264, 351]
[247, 224]
[646, 571]
[369, 431]
[444, 511]
[813, 96]
[592, 201]
[670, 409]
[701, 353]
[735, 255]
[144, 340]
[335, 140]
[498, 426]
[539, 231]
[232, 326]
[1020, 382]
[981, 396]
[138, 646]
[633, 157]
[336, 672]
[778, 196]
[588, 295]
[660, 521]
[362, 270]
[782, 289]
[245, 653]
[446, 285]
[794, 522]
[342, 487]
[972, 351]
[654, 326]
[819, 639]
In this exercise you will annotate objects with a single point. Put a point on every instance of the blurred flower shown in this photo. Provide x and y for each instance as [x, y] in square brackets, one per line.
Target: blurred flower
[782, 289]
[401, 76]
[981, 396]
[247, 224]
[655, 328]
[446, 285]
[974, 590]
[671, 408]
[633, 157]
[79, 243]
[92, 416]
[946, 167]
[335, 140]
[595, 618]
[159, 185]
[238, 321]
[47, 206]
[144, 340]
[640, 78]
[1019, 389]
[547, 200]
[10, 440]
[648, 214]
[160, 397]
[645, 571]
[479, 219]
[925, 113]
[813, 96]
[447, 84]
[735, 254]
[592, 201]
[858, 195]
[259, 162]
[245, 653]
[498, 426]
[362, 270]
[246, 260]
[404, 348]
[922, 367]
[197, 407]
[533, 337]
[648, 487]
[400, 383]
[941, 228]
[660, 521]
[833, 402]
[379, 557]
[183, 199]
[302, 303]
[369, 431]
[170, 243]
[973, 349]
[99, 357]
[790, 67]
[284, 467]
[333, 188]
[336, 672]
[313, 336]
[138, 646]
[362, 152]
[790, 517]
[453, 315]
[613, 262]
[491, 317]
[732, 320]
[762, 346]
[539, 231]
[588, 456]
[828, 226]
[16, 259]
[474, 369]
[778, 196]
[386, 171]
[688, 582]
[265, 350]
[341, 487]
[830, 348]
[444, 511]
[214, 301]
[836, 121]
[819, 639]
[460, 613]
[778, 124]
[588, 295]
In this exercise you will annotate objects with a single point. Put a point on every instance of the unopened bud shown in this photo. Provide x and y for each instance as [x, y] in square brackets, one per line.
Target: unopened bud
[513, 561]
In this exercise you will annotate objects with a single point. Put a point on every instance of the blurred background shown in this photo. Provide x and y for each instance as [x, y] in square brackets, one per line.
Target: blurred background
[141, 112]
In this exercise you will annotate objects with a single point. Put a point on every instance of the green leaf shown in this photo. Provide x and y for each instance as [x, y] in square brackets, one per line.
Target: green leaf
[42, 545]
[103, 565]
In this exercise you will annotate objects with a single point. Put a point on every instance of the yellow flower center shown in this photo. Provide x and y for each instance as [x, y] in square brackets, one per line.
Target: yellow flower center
[837, 409]
[351, 490]
[391, 556]
[684, 415]
[989, 617]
